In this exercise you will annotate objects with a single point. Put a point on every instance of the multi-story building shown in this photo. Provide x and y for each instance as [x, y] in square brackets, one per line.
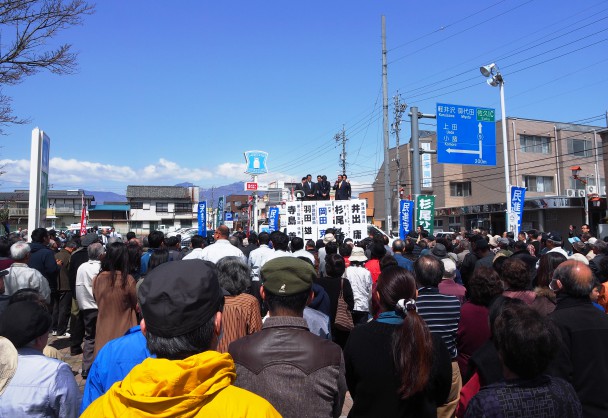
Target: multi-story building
[161, 207]
[64, 207]
[541, 155]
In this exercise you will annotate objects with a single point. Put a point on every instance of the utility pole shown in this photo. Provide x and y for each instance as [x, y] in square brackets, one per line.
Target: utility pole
[387, 185]
[341, 137]
[399, 109]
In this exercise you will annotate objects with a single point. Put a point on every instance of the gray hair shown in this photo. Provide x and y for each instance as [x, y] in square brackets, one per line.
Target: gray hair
[95, 251]
[20, 251]
[233, 275]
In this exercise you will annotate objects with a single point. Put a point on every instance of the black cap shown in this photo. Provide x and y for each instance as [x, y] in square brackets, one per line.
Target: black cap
[554, 236]
[482, 244]
[180, 296]
[24, 321]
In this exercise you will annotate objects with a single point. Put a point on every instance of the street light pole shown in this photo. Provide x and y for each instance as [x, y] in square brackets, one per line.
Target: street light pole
[495, 79]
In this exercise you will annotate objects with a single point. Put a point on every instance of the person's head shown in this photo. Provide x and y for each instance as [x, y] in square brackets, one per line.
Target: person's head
[345, 250]
[334, 265]
[412, 343]
[233, 275]
[156, 239]
[339, 177]
[234, 240]
[409, 246]
[197, 241]
[40, 236]
[158, 257]
[481, 246]
[585, 229]
[303, 180]
[595, 292]
[20, 251]
[70, 246]
[600, 247]
[546, 266]
[116, 260]
[280, 241]
[319, 179]
[377, 250]
[221, 232]
[309, 177]
[264, 238]
[573, 278]
[554, 239]
[522, 236]
[172, 243]
[357, 257]
[310, 245]
[520, 245]
[526, 341]
[26, 324]
[449, 268]
[387, 261]
[130, 235]
[515, 274]
[398, 246]
[331, 248]
[484, 286]
[181, 303]
[428, 271]
[95, 251]
[324, 177]
[134, 252]
[287, 285]
[297, 244]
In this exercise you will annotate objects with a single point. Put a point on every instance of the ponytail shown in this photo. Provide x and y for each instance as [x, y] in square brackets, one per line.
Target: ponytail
[412, 350]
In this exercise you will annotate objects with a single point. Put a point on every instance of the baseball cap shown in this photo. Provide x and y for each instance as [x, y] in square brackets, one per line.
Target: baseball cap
[285, 276]
[554, 236]
[180, 296]
[24, 321]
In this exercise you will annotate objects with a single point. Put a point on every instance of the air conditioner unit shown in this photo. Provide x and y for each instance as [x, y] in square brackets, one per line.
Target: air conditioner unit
[570, 192]
[580, 192]
[591, 189]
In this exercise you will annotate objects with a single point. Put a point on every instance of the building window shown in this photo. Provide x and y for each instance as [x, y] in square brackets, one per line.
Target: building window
[184, 223]
[577, 184]
[460, 189]
[137, 224]
[137, 205]
[539, 184]
[183, 208]
[162, 207]
[438, 223]
[452, 220]
[580, 148]
[536, 144]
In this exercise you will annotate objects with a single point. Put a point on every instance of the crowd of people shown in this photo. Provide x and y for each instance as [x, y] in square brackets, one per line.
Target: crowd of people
[263, 325]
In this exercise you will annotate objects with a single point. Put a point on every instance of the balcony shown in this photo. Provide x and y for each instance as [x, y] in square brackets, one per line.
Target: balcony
[16, 212]
[66, 210]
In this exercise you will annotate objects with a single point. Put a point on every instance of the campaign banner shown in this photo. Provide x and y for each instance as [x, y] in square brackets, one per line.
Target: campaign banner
[273, 218]
[358, 220]
[406, 213]
[425, 215]
[220, 210]
[202, 218]
[516, 211]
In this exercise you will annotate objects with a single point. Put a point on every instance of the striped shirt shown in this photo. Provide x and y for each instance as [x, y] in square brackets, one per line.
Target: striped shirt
[241, 317]
[441, 314]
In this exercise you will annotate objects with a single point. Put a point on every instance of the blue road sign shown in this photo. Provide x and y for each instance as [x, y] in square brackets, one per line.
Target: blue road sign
[466, 135]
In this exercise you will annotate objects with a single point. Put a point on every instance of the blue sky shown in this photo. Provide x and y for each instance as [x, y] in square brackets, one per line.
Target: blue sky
[166, 93]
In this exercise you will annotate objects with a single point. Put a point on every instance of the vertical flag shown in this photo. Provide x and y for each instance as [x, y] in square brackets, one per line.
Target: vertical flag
[273, 218]
[516, 211]
[220, 210]
[202, 218]
[83, 219]
[426, 212]
[406, 212]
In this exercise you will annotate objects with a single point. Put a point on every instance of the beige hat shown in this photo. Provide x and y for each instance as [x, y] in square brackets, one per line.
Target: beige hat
[494, 241]
[8, 362]
[449, 267]
[579, 257]
[358, 254]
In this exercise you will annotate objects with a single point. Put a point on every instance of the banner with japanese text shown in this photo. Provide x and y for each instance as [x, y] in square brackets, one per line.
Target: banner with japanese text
[516, 211]
[273, 218]
[425, 213]
[406, 213]
[202, 218]
[220, 210]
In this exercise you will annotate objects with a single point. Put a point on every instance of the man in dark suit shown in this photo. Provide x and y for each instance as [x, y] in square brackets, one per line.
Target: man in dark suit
[342, 188]
[323, 188]
[309, 188]
[300, 188]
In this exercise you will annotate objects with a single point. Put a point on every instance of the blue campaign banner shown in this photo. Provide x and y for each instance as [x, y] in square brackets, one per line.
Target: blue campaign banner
[202, 218]
[406, 214]
[273, 219]
[518, 195]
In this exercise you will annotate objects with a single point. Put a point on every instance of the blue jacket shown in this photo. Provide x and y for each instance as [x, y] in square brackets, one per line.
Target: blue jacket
[113, 362]
[145, 259]
[42, 259]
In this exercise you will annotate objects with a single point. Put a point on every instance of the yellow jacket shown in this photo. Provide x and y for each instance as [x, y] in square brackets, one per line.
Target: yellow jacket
[198, 386]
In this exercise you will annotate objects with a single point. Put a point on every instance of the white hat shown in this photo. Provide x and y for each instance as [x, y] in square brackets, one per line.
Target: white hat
[329, 238]
[579, 257]
[449, 266]
[357, 255]
[8, 362]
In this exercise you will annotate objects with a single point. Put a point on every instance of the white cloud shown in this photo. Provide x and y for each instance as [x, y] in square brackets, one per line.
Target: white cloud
[72, 173]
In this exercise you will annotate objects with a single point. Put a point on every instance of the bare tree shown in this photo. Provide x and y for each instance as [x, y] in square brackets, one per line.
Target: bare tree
[26, 28]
